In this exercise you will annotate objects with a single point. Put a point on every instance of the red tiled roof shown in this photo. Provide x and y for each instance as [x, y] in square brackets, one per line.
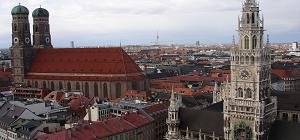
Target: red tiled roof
[88, 78]
[221, 71]
[83, 61]
[197, 78]
[103, 129]
[286, 73]
[155, 108]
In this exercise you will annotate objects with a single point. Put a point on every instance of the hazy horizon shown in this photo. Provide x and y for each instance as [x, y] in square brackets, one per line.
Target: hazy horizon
[136, 22]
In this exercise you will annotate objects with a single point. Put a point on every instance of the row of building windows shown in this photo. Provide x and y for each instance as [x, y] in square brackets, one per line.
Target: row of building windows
[118, 88]
[295, 117]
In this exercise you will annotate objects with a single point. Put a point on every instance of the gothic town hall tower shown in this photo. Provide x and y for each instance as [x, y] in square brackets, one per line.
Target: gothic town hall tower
[249, 110]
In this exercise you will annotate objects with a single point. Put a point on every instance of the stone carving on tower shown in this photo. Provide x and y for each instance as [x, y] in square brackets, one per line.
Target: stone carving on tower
[21, 49]
[249, 110]
[173, 118]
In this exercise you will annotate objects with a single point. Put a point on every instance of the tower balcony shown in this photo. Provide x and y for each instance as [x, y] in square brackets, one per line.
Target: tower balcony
[173, 121]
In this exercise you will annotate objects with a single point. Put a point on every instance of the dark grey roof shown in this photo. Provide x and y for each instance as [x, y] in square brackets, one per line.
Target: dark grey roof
[217, 107]
[288, 101]
[9, 113]
[207, 121]
[283, 130]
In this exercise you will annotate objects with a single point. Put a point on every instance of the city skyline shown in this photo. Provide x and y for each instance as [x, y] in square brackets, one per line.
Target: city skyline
[137, 22]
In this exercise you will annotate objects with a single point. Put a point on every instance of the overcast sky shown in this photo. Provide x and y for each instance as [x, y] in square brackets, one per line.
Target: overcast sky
[108, 22]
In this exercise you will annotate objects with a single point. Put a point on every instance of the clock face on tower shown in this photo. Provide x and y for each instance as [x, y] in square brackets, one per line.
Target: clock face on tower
[245, 74]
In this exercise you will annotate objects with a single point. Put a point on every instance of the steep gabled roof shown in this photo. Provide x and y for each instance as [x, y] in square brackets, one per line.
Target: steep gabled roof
[102, 62]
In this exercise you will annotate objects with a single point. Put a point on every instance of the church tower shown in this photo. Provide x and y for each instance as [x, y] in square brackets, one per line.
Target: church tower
[249, 110]
[21, 50]
[41, 29]
[173, 118]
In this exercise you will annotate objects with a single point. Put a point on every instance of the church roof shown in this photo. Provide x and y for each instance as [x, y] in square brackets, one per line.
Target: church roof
[283, 130]
[206, 121]
[84, 63]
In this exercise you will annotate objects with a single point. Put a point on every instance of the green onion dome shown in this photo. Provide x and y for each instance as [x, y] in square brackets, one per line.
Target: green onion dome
[40, 12]
[18, 10]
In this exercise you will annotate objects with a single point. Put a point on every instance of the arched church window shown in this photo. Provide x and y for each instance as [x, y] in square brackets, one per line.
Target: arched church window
[77, 86]
[105, 90]
[26, 28]
[28, 84]
[242, 60]
[248, 93]
[44, 85]
[253, 18]
[237, 60]
[247, 60]
[254, 42]
[118, 90]
[246, 42]
[96, 94]
[36, 29]
[252, 59]
[60, 86]
[52, 86]
[248, 18]
[86, 89]
[15, 27]
[240, 93]
[69, 86]
[36, 84]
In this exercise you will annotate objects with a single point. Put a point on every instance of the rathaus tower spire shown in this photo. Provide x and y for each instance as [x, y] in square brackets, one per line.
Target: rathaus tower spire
[248, 108]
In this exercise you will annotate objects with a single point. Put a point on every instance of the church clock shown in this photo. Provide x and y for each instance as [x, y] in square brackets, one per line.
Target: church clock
[245, 74]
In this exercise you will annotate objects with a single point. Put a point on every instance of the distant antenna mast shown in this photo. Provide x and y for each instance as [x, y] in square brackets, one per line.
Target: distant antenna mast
[157, 39]
[233, 40]
[268, 40]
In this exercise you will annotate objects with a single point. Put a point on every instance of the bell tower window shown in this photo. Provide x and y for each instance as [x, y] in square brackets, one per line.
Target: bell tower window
[253, 18]
[254, 42]
[15, 27]
[240, 93]
[248, 18]
[246, 42]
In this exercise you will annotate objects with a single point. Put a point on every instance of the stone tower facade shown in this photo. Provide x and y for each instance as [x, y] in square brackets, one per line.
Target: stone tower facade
[41, 29]
[173, 118]
[249, 110]
[21, 49]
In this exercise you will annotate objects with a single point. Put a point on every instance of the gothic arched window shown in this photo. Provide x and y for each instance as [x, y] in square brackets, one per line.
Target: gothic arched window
[118, 90]
[248, 18]
[44, 85]
[240, 93]
[77, 86]
[254, 42]
[252, 59]
[86, 91]
[253, 18]
[36, 84]
[246, 42]
[60, 86]
[52, 86]
[69, 86]
[96, 94]
[248, 93]
[28, 84]
[247, 60]
[237, 60]
[15, 27]
[242, 60]
[105, 90]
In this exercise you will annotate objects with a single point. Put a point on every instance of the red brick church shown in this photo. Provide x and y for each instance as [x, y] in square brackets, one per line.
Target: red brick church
[97, 72]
